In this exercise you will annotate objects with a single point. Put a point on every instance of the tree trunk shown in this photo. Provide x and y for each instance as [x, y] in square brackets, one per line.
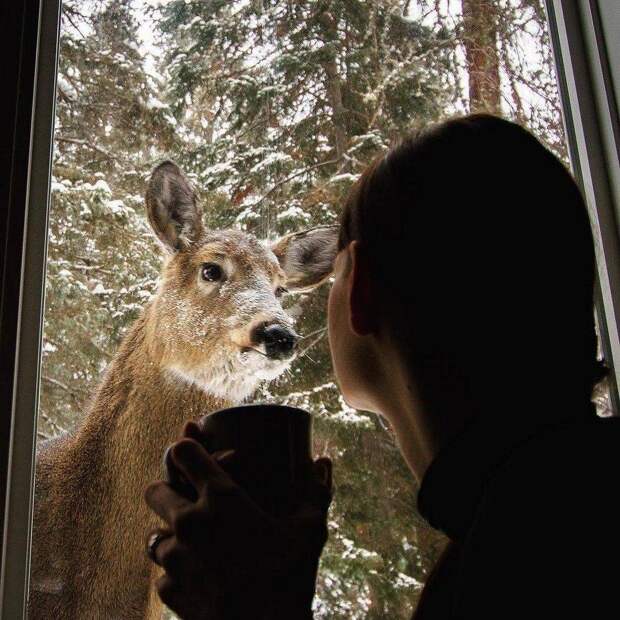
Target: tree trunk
[334, 90]
[480, 41]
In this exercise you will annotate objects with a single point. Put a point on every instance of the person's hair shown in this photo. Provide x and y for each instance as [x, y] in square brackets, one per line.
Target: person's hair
[478, 242]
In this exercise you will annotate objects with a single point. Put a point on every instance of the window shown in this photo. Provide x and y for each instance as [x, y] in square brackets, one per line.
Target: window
[273, 109]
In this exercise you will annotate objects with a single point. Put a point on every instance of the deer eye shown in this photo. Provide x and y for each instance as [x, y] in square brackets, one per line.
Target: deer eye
[212, 272]
[281, 291]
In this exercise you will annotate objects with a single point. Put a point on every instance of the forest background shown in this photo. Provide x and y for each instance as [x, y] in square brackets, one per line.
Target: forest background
[273, 108]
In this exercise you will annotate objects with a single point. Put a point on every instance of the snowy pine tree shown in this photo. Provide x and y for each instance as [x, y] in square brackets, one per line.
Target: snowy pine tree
[102, 263]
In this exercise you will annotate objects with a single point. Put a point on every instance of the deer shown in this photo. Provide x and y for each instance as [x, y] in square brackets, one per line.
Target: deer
[213, 331]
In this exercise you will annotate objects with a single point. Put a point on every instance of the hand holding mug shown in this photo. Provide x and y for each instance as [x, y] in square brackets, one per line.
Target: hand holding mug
[224, 555]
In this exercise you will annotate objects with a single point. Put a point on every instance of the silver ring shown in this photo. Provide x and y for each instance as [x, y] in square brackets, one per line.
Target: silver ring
[152, 543]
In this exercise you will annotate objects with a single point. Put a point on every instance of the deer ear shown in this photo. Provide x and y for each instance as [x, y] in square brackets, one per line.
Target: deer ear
[307, 257]
[171, 208]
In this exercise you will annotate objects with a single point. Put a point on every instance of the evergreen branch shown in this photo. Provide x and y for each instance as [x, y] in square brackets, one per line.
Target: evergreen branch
[64, 95]
[290, 178]
[414, 57]
[80, 142]
[97, 268]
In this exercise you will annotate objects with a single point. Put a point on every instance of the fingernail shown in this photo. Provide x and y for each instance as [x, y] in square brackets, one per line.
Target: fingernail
[224, 454]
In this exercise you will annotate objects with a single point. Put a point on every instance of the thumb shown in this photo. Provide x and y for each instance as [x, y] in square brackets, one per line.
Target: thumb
[323, 472]
[317, 494]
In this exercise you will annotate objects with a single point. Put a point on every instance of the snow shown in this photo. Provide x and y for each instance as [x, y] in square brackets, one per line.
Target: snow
[100, 186]
[247, 215]
[100, 290]
[352, 552]
[346, 177]
[406, 581]
[218, 169]
[373, 138]
[193, 22]
[66, 87]
[48, 347]
[58, 187]
[117, 207]
[348, 415]
[294, 213]
[153, 103]
[80, 285]
[270, 160]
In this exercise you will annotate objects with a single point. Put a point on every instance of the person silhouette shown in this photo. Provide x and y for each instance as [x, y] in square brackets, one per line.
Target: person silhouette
[462, 312]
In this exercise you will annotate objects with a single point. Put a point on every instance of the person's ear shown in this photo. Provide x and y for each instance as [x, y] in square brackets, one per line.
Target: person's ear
[364, 319]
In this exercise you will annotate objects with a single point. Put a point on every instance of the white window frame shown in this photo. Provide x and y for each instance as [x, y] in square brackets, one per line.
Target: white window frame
[591, 121]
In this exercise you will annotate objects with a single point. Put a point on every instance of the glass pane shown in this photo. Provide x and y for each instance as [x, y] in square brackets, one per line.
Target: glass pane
[272, 109]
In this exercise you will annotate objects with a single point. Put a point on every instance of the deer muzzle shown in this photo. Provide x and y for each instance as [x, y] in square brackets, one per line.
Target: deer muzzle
[279, 341]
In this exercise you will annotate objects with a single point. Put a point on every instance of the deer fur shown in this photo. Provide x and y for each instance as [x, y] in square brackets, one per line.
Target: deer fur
[188, 354]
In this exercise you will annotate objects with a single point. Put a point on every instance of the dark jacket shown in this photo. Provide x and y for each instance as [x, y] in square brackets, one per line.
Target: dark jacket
[533, 515]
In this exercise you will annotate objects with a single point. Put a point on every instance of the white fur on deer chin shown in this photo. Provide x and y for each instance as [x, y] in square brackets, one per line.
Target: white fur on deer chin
[235, 379]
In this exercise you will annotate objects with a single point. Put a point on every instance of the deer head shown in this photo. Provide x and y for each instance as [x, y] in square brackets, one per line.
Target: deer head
[217, 320]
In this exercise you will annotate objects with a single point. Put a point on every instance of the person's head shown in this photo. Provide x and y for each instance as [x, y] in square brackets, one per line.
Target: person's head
[466, 250]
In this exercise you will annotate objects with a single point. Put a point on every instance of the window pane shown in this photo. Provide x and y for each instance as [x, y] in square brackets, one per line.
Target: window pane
[273, 109]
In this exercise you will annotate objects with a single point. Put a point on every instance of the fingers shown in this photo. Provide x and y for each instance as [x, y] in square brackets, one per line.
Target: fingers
[186, 596]
[189, 522]
[323, 469]
[197, 432]
[173, 557]
[318, 493]
[165, 502]
[202, 469]
[192, 430]
[311, 514]
[170, 595]
[180, 553]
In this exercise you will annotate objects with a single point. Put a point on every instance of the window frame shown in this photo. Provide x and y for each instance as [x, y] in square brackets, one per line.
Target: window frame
[591, 121]
[32, 35]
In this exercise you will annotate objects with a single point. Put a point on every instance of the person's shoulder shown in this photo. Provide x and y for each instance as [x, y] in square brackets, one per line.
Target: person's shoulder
[562, 475]
[548, 519]
[578, 459]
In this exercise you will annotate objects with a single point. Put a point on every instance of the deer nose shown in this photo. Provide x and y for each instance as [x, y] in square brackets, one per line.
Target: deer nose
[279, 341]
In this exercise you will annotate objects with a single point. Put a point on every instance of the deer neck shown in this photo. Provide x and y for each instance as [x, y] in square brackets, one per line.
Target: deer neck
[140, 407]
[137, 411]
